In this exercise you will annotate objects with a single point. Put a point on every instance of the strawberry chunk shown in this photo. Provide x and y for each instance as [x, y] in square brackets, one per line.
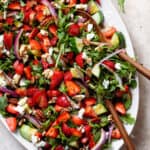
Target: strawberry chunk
[77, 121]
[63, 101]
[53, 29]
[35, 45]
[11, 109]
[74, 30]
[116, 134]
[19, 67]
[14, 6]
[110, 64]
[12, 123]
[68, 76]
[79, 60]
[90, 101]
[8, 40]
[119, 106]
[66, 129]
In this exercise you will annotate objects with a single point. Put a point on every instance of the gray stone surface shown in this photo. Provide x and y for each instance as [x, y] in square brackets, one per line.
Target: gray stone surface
[137, 20]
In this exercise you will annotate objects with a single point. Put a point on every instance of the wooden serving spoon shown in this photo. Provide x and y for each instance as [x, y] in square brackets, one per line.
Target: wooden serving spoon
[108, 103]
[140, 68]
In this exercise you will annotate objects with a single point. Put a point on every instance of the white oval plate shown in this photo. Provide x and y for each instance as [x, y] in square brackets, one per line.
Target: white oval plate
[112, 18]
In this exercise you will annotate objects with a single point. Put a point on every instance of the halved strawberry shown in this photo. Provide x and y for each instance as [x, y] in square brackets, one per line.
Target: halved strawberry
[11, 109]
[66, 129]
[12, 123]
[63, 101]
[53, 29]
[91, 141]
[53, 40]
[116, 134]
[89, 112]
[119, 106]
[63, 117]
[68, 76]
[56, 79]
[75, 132]
[52, 132]
[72, 88]
[79, 60]
[83, 1]
[31, 91]
[21, 91]
[77, 121]
[58, 108]
[53, 93]
[27, 28]
[33, 33]
[35, 45]
[8, 40]
[19, 67]
[109, 64]
[9, 20]
[31, 102]
[89, 101]
[40, 16]
[74, 30]
[27, 71]
[14, 6]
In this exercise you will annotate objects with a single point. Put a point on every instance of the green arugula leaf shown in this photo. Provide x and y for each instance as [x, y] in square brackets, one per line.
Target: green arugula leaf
[127, 119]
[121, 4]
[3, 104]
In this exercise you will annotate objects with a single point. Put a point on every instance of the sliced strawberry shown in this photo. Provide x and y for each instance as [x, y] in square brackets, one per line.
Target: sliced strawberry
[58, 108]
[72, 88]
[68, 76]
[21, 91]
[87, 129]
[33, 33]
[53, 41]
[89, 101]
[75, 132]
[72, 2]
[63, 101]
[19, 67]
[31, 91]
[27, 28]
[14, 6]
[109, 33]
[12, 123]
[11, 109]
[66, 129]
[31, 102]
[126, 87]
[45, 64]
[77, 121]
[109, 64]
[74, 30]
[53, 29]
[116, 134]
[89, 112]
[119, 106]
[9, 20]
[91, 141]
[35, 45]
[27, 71]
[56, 79]
[53, 93]
[79, 60]
[52, 132]
[29, 16]
[59, 147]
[40, 16]
[8, 40]
[46, 41]
[83, 1]
[63, 117]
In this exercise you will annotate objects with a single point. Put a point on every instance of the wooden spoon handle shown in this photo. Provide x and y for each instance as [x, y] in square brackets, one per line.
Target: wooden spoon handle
[120, 126]
[134, 63]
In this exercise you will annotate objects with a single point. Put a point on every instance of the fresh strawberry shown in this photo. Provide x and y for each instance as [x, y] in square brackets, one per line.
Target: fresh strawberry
[89, 101]
[83, 1]
[91, 141]
[40, 99]
[116, 134]
[75, 132]
[29, 16]
[11, 109]
[40, 16]
[119, 106]
[126, 87]
[31, 102]
[33, 33]
[58, 108]
[59, 147]
[19, 67]
[89, 112]
[68, 76]
[66, 129]
[53, 40]
[21, 91]
[109, 33]
[72, 2]
[63, 117]
[27, 71]
[56, 79]
[52, 132]
[14, 6]
[87, 129]
[8, 40]
[53, 93]
[63, 101]
[12, 123]
[35, 45]
[77, 121]
[74, 30]
[79, 60]
[38, 134]
[53, 29]
[109, 64]
[31, 91]
[46, 41]
[27, 28]
[72, 88]
[9, 20]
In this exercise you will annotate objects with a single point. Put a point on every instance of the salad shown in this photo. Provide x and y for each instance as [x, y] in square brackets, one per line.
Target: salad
[56, 71]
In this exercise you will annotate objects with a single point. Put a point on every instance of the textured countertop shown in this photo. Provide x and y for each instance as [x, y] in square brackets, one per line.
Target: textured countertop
[137, 20]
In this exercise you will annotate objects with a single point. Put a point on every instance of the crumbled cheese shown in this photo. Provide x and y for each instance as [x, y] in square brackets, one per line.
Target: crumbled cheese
[46, 11]
[5, 51]
[1, 40]
[22, 82]
[84, 56]
[50, 51]
[90, 36]
[44, 32]
[106, 84]
[118, 66]
[40, 144]
[81, 113]
[81, 6]
[89, 27]
[16, 78]
[47, 57]
[20, 109]
[34, 139]
[22, 101]
[3, 81]
[48, 73]
[4, 1]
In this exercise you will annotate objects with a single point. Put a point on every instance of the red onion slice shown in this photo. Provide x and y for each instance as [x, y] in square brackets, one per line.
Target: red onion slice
[6, 90]
[101, 141]
[16, 44]
[50, 7]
